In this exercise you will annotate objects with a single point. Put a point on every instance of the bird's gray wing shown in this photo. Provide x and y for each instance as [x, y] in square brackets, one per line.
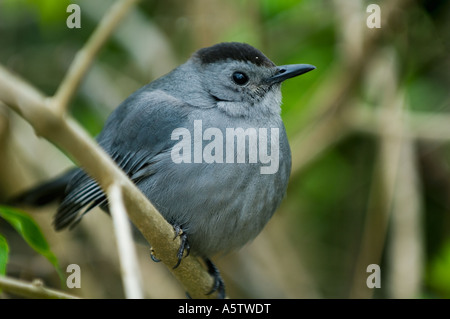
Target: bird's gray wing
[138, 130]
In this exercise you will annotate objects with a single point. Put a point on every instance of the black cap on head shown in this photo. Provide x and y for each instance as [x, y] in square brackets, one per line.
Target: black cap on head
[234, 51]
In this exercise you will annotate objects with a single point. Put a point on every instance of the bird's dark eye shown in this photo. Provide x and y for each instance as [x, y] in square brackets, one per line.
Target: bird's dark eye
[240, 78]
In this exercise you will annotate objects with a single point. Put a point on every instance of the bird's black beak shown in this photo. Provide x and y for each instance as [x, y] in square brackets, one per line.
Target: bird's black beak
[285, 72]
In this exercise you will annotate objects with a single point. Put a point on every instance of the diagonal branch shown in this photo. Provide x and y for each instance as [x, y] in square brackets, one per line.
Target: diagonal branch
[70, 137]
[47, 116]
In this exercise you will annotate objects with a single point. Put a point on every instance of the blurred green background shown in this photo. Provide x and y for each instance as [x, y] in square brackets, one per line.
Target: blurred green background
[369, 132]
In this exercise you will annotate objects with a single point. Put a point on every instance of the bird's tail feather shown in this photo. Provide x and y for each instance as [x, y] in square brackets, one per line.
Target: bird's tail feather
[43, 194]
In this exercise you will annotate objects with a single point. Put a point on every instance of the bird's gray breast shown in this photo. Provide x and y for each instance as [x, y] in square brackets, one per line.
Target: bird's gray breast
[219, 196]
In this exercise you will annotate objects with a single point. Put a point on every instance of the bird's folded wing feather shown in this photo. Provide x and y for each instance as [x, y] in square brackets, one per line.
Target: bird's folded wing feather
[138, 130]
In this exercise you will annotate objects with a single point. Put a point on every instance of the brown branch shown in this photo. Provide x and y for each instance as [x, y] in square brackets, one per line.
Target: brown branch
[70, 137]
[47, 117]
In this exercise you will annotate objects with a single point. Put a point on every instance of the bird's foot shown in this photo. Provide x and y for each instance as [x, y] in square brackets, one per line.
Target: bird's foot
[184, 245]
[153, 257]
[218, 285]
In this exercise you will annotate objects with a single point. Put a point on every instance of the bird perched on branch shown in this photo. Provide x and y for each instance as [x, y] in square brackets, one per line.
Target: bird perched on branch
[205, 143]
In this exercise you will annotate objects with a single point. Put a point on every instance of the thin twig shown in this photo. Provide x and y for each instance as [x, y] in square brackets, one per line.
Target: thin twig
[406, 240]
[31, 290]
[131, 274]
[86, 55]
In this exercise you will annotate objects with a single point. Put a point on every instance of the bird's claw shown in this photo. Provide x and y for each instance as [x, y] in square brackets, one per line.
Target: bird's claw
[218, 285]
[184, 245]
[153, 257]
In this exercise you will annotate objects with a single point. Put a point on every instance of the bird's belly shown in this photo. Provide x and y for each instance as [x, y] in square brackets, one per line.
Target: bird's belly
[220, 206]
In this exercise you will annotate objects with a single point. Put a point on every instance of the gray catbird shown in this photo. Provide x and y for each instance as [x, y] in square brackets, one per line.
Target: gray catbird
[205, 143]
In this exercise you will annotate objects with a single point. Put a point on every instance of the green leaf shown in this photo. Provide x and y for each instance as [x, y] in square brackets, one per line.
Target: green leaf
[438, 273]
[4, 250]
[31, 233]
